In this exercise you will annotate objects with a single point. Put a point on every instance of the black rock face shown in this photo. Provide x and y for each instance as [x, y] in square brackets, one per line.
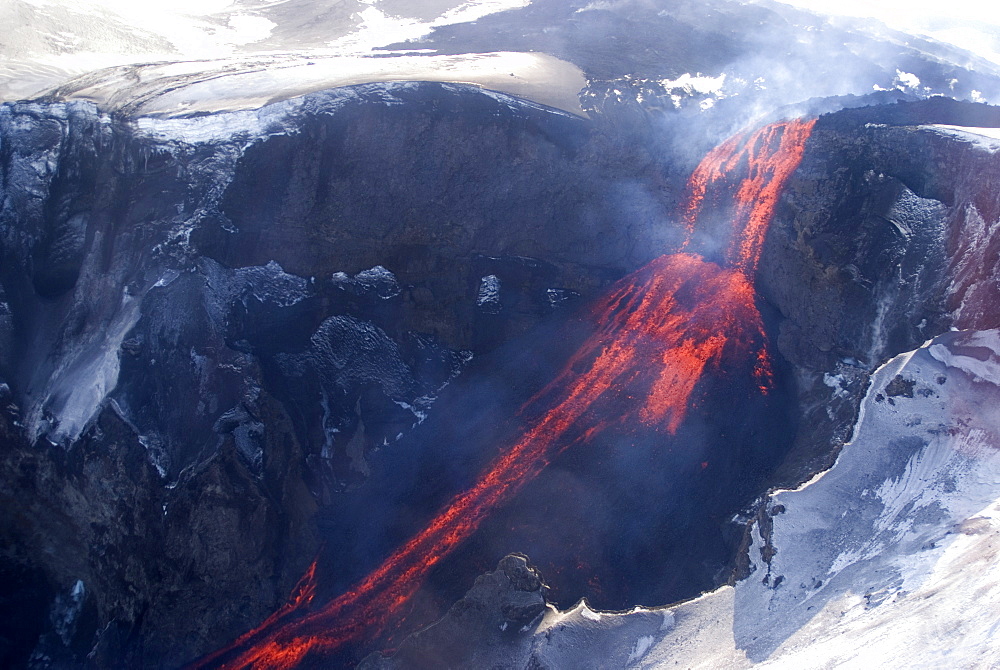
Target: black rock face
[875, 226]
[220, 356]
[485, 628]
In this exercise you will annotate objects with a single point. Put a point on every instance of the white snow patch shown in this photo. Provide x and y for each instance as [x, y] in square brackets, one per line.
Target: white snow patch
[837, 383]
[642, 645]
[987, 139]
[73, 393]
[378, 28]
[419, 412]
[977, 358]
[169, 275]
[156, 455]
[247, 28]
[488, 298]
[695, 83]
[598, 5]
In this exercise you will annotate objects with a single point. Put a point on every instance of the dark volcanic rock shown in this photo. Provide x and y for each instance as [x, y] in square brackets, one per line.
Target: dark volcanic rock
[156, 565]
[900, 387]
[431, 188]
[485, 629]
[202, 341]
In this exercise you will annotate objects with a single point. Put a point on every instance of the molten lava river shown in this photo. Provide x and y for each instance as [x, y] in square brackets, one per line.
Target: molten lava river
[653, 339]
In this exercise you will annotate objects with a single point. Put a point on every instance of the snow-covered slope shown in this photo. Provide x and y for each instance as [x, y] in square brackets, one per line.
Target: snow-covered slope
[250, 82]
[189, 57]
[985, 138]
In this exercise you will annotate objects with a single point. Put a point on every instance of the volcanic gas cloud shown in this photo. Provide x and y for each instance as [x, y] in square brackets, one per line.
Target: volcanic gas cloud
[656, 332]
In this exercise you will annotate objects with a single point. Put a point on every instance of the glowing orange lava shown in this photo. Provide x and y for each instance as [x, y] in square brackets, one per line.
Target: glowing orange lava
[656, 332]
[772, 154]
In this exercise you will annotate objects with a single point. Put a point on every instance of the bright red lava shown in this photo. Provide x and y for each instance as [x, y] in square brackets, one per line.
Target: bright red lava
[657, 330]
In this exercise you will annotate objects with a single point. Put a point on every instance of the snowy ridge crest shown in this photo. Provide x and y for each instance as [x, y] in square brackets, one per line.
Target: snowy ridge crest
[282, 117]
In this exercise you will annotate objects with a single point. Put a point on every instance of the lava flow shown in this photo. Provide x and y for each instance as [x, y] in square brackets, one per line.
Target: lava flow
[772, 154]
[656, 331]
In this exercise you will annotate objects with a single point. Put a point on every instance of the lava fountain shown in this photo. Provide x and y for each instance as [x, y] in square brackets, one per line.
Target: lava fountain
[654, 335]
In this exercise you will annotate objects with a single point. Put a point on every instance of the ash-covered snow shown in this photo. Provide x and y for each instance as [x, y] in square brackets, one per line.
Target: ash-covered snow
[161, 92]
[377, 280]
[346, 352]
[972, 269]
[251, 125]
[917, 228]
[560, 297]
[887, 560]
[519, 98]
[66, 610]
[80, 376]
[247, 431]
[488, 298]
[971, 356]
[269, 284]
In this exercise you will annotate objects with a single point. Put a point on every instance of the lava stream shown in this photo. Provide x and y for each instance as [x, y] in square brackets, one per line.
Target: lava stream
[772, 154]
[656, 331]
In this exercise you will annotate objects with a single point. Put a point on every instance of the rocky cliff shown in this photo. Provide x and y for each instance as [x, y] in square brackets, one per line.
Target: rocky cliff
[199, 351]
